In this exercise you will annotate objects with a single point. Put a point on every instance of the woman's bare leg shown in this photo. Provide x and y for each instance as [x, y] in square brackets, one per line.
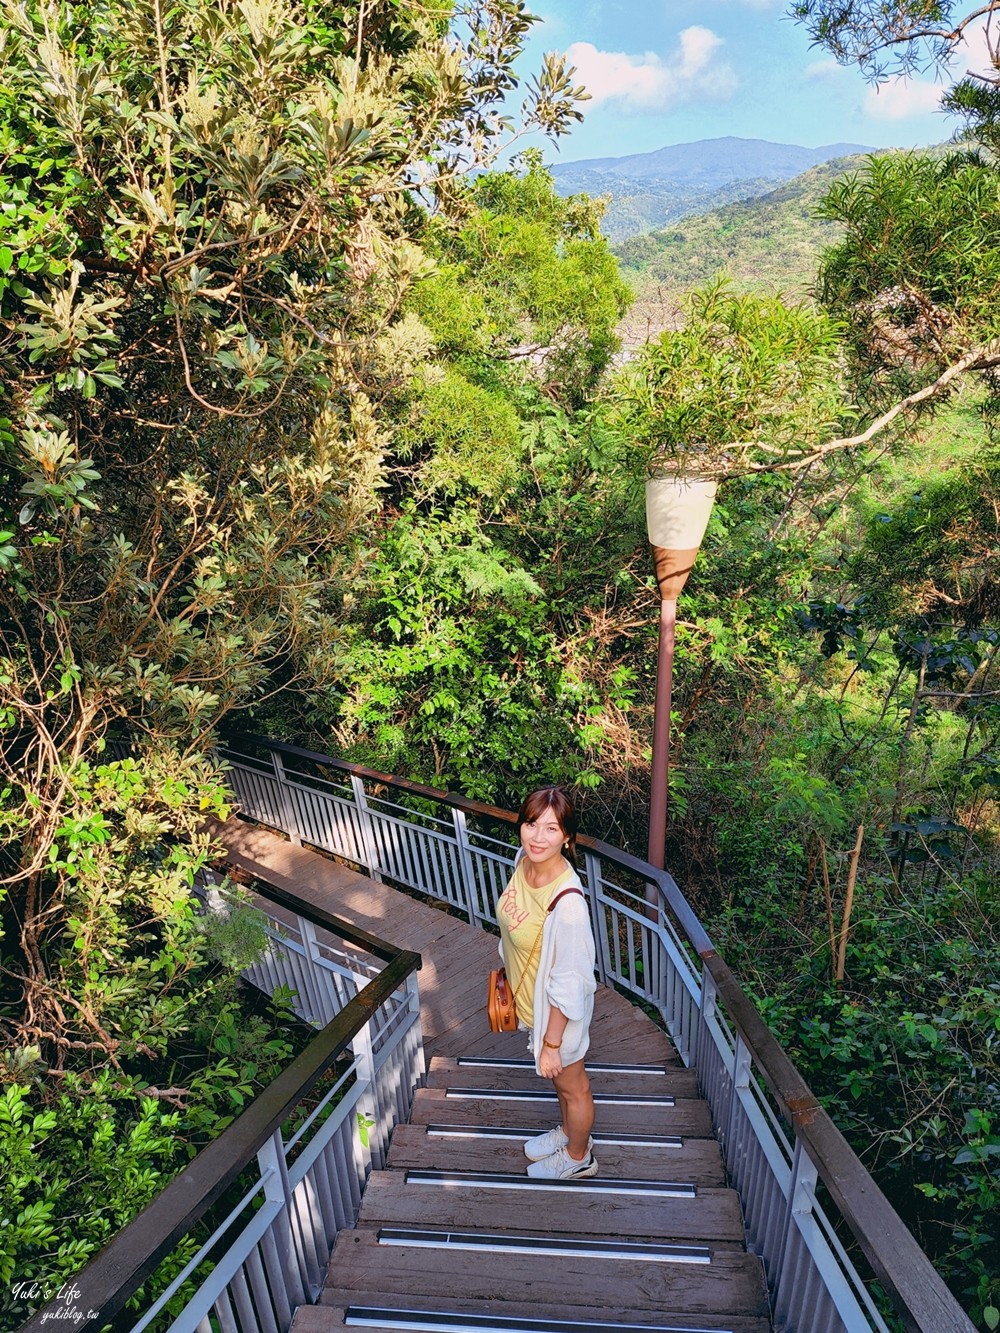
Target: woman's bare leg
[576, 1103]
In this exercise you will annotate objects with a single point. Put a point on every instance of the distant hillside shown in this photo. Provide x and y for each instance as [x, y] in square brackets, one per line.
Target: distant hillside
[773, 241]
[651, 190]
[710, 162]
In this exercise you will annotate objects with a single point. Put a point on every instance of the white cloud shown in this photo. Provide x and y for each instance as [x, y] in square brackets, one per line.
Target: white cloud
[823, 69]
[651, 83]
[900, 98]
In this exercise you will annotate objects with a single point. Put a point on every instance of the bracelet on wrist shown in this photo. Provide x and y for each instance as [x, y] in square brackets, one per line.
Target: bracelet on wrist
[552, 1045]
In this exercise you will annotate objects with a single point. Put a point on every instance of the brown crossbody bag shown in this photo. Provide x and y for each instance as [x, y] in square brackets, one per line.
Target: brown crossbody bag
[501, 1001]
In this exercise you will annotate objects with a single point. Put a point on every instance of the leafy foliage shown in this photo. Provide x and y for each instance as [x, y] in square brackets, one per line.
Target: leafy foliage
[81, 1163]
[504, 495]
[917, 274]
[456, 670]
[211, 220]
[742, 373]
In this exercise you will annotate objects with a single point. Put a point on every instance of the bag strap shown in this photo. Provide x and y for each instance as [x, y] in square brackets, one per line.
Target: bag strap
[527, 967]
[562, 894]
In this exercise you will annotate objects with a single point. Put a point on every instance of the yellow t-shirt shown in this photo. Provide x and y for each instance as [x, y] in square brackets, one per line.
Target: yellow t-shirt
[521, 914]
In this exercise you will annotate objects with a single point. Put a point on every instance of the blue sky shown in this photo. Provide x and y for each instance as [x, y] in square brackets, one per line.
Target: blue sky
[673, 71]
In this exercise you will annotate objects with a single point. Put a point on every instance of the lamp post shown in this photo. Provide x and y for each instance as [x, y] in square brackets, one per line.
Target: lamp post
[677, 513]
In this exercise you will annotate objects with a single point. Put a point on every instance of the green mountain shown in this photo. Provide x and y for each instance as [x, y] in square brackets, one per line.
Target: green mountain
[652, 190]
[772, 241]
[636, 208]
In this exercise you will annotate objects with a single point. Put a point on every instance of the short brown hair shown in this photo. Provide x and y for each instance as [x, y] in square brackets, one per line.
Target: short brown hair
[561, 805]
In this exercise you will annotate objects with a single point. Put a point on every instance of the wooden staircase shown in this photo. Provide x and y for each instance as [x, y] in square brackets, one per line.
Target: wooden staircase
[453, 1235]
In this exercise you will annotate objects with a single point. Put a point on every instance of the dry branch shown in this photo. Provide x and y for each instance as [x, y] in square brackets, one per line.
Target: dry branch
[852, 875]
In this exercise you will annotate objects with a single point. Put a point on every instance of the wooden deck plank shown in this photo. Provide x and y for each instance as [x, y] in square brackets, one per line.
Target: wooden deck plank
[473, 1037]
[698, 1161]
[686, 1117]
[571, 1210]
[445, 1072]
[336, 888]
[732, 1282]
[321, 1318]
[460, 984]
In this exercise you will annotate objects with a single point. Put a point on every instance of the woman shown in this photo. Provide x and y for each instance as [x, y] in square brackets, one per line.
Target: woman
[549, 957]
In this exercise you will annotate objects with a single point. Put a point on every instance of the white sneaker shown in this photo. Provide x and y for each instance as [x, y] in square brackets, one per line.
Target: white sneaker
[544, 1145]
[560, 1166]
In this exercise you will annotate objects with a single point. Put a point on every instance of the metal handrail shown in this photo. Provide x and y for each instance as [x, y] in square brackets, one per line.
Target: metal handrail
[119, 1270]
[918, 1293]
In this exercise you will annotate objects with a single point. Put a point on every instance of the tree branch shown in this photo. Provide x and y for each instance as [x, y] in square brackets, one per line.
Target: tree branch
[979, 358]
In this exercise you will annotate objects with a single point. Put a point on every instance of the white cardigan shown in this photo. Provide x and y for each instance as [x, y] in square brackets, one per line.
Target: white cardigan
[565, 976]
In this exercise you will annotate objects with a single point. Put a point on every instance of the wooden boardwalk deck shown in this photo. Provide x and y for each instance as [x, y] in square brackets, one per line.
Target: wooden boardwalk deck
[452, 1235]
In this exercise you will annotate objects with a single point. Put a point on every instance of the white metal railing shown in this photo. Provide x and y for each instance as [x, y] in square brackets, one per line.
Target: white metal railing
[298, 1157]
[282, 1230]
[322, 973]
[650, 944]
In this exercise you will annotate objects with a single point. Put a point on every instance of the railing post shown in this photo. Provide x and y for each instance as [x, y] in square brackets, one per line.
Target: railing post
[321, 995]
[592, 865]
[416, 1037]
[369, 1103]
[800, 1202]
[368, 844]
[287, 809]
[467, 867]
[707, 1008]
[740, 1075]
[277, 1190]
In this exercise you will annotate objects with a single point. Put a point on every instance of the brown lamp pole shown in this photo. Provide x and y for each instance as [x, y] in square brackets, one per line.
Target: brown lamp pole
[677, 514]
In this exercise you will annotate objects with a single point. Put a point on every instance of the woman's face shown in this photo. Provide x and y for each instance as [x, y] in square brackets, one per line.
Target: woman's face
[542, 838]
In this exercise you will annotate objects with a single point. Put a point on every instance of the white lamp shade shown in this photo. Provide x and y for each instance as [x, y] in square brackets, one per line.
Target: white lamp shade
[677, 511]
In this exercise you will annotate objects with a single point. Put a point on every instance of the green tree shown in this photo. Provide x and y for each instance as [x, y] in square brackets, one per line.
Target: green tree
[745, 382]
[522, 309]
[500, 486]
[916, 278]
[212, 220]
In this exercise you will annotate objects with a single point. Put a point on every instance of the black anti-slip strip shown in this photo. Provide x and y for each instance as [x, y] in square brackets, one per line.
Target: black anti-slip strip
[531, 1095]
[598, 1067]
[374, 1316]
[604, 1185]
[484, 1240]
[507, 1132]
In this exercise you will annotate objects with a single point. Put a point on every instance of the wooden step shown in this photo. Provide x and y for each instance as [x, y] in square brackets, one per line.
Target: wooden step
[600, 1206]
[615, 1029]
[425, 1313]
[432, 1106]
[731, 1281]
[697, 1160]
[633, 1081]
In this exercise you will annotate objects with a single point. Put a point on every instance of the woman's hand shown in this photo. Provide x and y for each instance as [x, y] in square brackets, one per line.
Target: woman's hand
[550, 1062]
